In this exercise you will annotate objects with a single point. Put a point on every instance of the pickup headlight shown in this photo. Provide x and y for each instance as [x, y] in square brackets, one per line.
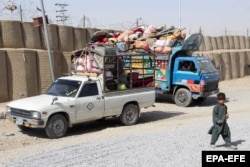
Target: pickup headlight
[36, 115]
[7, 112]
[7, 109]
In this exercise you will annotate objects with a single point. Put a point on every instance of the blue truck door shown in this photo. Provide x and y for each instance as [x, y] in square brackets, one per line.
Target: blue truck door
[186, 73]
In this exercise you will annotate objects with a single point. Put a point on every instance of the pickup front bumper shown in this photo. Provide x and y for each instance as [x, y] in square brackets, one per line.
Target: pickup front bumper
[32, 123]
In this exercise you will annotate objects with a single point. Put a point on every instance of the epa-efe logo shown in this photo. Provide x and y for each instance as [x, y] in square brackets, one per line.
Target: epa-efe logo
[225, 158]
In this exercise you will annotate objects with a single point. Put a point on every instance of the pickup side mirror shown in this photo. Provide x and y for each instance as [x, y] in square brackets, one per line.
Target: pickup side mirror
[54, 99]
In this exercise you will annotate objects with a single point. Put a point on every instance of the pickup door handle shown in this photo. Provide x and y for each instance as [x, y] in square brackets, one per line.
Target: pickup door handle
[71, 106]
[98, 98]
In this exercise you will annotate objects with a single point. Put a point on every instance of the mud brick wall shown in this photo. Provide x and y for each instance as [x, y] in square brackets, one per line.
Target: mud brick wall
[24, 63]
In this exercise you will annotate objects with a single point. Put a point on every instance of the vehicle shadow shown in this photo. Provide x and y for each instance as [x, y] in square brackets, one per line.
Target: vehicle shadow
[153, 116]
[98, 125]
[94, 126]
[39, 133]
[164, 98]
[209, 101]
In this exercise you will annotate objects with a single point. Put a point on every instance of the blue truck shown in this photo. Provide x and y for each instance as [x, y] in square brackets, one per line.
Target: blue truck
[186, 77]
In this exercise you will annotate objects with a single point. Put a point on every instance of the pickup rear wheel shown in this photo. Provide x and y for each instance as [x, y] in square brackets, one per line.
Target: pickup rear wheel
[56, 126]
[130, 114]
[183, 97]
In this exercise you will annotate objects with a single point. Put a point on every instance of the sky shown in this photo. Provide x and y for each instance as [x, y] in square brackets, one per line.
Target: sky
[213, 17]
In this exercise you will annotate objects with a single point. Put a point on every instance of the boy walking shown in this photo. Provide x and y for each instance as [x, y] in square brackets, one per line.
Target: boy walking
[220, 126]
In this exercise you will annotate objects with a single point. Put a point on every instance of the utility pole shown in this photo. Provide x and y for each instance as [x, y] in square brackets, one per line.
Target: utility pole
[225, 30]
[83, 21]
[48, 43]
[62, 18]
[137, 21]
[247, 32]
[21, 13]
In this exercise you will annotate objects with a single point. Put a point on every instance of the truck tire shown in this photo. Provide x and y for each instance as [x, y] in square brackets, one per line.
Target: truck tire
[56, 126]
[183, 97]
[130, 114]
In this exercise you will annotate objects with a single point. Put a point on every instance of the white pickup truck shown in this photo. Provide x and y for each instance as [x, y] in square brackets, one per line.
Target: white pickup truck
[80, 98]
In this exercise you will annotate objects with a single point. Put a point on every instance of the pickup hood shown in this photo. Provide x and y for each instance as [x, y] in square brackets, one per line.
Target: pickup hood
[35, 103]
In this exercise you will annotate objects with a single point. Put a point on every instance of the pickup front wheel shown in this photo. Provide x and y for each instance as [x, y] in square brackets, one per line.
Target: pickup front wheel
[130, 114]
[56, 126]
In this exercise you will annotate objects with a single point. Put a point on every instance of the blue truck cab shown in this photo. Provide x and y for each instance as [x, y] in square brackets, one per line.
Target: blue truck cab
[187, 78]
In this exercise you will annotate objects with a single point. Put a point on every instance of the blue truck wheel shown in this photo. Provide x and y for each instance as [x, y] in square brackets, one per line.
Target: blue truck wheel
[183, 97]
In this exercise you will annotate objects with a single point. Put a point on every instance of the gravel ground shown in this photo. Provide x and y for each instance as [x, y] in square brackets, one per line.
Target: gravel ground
[167, 136]
[176, 147]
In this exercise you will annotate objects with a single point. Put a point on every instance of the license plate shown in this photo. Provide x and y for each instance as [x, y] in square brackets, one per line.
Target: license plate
[19, 121]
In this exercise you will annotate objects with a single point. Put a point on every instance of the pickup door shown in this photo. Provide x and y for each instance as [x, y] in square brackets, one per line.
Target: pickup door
[90, 103]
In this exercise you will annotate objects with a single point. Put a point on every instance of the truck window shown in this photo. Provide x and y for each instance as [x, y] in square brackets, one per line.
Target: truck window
[206, 66]
[89, 89]
[187, 66]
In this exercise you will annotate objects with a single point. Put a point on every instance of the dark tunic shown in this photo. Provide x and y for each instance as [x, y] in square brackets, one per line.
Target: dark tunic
[219, 113]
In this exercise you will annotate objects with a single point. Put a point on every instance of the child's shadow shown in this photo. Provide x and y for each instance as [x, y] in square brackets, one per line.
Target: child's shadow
[236, 143]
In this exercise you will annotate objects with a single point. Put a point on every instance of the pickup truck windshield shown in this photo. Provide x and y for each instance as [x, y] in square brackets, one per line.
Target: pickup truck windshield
[206, 66]
[65, 88]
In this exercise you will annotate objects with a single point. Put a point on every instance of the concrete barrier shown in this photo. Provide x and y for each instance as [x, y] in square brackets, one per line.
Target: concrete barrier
[1, 35]
[247, 41]
[65, 38]
[44, 71]
[218, 63]
[225, 42]
[22, 73]
[243, 63]
[80, 38]
[66, 62]
[31, 36]
[219, 41]
[242, 42]
[248, 63]
[236, 42]
[214, 43]
[208, 43]
[202, 46]
[4, 95]
[12, 36]
[226, 65]
[231, 42]
[53, 37]
[234, 56]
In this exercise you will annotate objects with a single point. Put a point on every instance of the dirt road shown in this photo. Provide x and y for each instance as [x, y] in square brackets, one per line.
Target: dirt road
[165, 116]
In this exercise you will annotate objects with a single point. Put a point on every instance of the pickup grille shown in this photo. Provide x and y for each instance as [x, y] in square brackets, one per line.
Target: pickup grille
[211, 86]
[20, 113]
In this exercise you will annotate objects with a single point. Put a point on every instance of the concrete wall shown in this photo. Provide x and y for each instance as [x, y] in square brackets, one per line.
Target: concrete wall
[230, 55]
[24, 64]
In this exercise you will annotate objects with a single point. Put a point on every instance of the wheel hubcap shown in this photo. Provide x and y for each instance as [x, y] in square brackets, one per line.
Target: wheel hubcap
[182, 97]
[130, 114]
[58, 127]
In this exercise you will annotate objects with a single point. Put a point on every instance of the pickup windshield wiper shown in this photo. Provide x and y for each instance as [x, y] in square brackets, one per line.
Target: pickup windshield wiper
[51, 93]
